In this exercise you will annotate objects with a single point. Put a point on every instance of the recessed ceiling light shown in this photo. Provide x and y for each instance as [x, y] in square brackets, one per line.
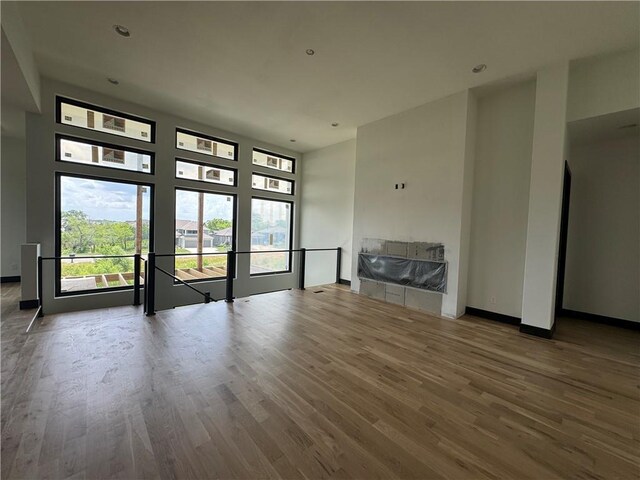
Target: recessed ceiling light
[335, 124]
[292, 140]
[310, 51]
[479, 68]
[113, 81]
[122, 30]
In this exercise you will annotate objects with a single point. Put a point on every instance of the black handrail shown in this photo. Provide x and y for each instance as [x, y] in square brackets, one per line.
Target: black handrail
[150, 283]
[150, 304]
[231, 274]
[206, 295]
[210, 254]
[88, 256]
[136, 279]
[150, 267]
[146, 282]
[302, 268]
[203, 254]
[292, 250]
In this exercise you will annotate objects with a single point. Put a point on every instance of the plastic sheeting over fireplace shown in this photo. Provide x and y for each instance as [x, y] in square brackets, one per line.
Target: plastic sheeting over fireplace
[423, 274]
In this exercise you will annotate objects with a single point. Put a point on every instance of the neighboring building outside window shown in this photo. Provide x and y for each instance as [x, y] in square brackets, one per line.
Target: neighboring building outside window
[271, 229]
[204, 225]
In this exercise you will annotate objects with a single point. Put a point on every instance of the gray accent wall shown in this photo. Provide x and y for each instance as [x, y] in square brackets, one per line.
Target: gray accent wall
[13, 203]
[41, 168]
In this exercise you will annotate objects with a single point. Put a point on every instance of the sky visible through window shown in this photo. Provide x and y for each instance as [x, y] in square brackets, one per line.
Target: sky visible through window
[100, 233]
[102, 200]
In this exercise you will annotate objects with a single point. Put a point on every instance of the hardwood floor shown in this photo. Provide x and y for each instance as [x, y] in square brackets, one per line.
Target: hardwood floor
[313, 385]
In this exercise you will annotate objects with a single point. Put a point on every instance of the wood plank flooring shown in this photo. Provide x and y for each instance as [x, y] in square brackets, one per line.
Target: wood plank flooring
[326, 385]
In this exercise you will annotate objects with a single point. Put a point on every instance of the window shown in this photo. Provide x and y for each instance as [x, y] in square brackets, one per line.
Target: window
[271, 228]
[203, 172]
[100, 217]
[271, 160]
[204, 225]
[89, 152]
[200, 143]
[272, 184]
[83, 115]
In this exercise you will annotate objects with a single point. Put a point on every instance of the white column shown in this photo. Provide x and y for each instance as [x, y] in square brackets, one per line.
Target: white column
[29, 273]
[545, 197]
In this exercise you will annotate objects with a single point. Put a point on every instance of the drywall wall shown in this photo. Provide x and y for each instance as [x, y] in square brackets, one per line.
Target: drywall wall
[41, 130]
[545, 197]
[13, 174]
[504, 139]
[14, 32]
[328, 179]
[603, 84]
[425, 148]
[468, 130]
[603, 250]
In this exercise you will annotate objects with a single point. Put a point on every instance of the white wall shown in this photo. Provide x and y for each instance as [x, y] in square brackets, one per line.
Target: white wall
[545, 197]
[604, 84]
[426, 148]
[13, 173]
[328, 179]
[504, 140]
[468, 132]
[603, 251]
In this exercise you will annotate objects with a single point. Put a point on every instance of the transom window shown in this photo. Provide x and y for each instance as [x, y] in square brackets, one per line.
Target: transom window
[272, 160]
[89, 152]
[84, 115]
[203, 172]
[201, 143]
[272, 184]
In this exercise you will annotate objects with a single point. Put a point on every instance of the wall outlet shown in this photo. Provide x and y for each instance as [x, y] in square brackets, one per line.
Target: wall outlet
[492, 300]
[14, 267]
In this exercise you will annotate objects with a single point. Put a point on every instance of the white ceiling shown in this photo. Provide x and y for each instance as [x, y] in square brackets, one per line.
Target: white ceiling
[611, 126]
[242, 66]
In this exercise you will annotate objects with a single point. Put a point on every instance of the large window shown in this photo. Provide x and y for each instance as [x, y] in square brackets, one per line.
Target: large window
[204, 226]
[271, 160]
[201, 143]
[89, 152]
[270, 230]
[100, 217]
[83, 115]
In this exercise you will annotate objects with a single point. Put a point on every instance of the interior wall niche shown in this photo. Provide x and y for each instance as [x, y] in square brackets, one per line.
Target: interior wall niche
[413, 274]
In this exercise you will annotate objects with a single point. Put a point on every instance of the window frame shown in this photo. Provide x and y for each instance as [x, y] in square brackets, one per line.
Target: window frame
[58, 226]
[98, 143]
[279, 155]
[206, 137]
[291, 229]
[205, 164]
[234, 237]
[128, 116]
[273, 177]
